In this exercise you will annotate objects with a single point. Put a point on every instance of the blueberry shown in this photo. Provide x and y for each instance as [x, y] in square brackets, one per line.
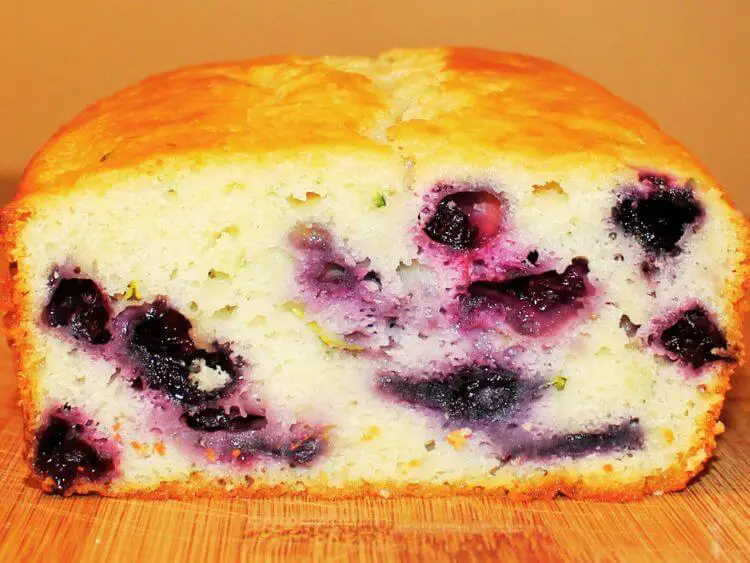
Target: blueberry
[213, 419]
[303, 452]
[165, 332]
[161, 345]
[450, 226]
[616, 437]
[465, 220]
[533, 304]
[473, 393]
[79, 304]
[658, 219]
[63, 456]
[694, 337]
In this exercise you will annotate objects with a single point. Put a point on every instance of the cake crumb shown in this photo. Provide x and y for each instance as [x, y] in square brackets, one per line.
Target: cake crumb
[160, 448]
[607, 467]
[458, 438]
[719, 428]
[429, 445]
[668, 435]
[371, 433]
[210, 454]
[207, 378]
[236, 453]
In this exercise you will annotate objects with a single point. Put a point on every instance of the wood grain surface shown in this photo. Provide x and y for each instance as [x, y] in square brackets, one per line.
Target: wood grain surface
[708, 521]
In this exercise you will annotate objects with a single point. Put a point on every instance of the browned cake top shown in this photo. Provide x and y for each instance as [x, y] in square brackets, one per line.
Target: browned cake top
[415, 102]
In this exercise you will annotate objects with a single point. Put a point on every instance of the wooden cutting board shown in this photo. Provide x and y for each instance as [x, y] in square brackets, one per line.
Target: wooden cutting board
[709, 521]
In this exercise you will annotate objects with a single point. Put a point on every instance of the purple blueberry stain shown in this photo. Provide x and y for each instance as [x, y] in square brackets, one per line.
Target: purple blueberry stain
[332, 274]
[654, 179]
[533, 304]
[256, 439]
[325, 270]
[342, 294]
[464, 220]
[79, 305]
[625, 436]
[695, 339]
[68, 452]
[495, 401]
[215, 419]
[657, 213]
[470, 394]
[303, 452]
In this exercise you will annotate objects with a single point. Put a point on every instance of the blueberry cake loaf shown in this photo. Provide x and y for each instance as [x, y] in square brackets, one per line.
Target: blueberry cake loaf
[434, 271]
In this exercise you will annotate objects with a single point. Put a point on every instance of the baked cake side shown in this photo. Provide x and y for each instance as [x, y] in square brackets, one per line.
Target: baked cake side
[435, 271]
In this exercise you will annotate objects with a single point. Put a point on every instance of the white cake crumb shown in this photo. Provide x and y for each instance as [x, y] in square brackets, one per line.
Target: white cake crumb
[207, 378]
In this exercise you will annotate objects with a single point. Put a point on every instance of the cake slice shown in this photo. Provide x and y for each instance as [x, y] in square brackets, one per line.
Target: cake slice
[434, 271]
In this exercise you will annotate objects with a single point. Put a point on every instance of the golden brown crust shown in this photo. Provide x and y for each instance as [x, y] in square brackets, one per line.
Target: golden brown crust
[547, 487]
[524, 104]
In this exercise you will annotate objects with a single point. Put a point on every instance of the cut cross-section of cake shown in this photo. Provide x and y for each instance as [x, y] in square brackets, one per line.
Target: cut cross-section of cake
[434, 271]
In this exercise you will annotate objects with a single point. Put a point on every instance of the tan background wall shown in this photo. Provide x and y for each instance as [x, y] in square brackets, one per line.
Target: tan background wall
[685, 62]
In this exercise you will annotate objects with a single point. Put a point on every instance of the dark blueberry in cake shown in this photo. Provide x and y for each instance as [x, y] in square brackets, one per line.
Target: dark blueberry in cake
[533, 304]
[79, 304]
[625, 436]
[64, 456]
[450, 226]
[694, 338]
[658, 219]
[214, 419]
[465, 220]
[161, 345]
[532, 257]
[304, 451]
[165, 332]
[474, 393]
